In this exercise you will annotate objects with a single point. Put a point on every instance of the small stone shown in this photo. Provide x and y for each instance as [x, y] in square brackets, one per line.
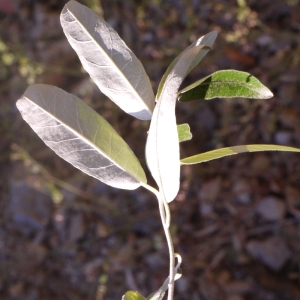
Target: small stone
[264, 40]
[283, 137]
[242, 191]
[206, 209]
[30, 209]
[271, 209]
[182, 285]
[77, 227]
[273, 252]
[16, 290]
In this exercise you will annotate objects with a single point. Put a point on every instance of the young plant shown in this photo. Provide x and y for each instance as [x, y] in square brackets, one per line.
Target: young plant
[82, 137]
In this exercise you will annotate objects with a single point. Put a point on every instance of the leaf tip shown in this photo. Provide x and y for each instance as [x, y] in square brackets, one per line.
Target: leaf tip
[269, 94]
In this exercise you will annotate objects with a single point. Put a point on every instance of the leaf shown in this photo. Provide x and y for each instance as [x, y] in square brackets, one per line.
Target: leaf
[111, 64]
[219, 153]
[80, 136]
[131, 295]
[162, 147]
[225, 84]
[184, 133]
[206, 40]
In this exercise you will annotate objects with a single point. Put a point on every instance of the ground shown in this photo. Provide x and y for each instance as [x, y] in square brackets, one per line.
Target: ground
[235, 221]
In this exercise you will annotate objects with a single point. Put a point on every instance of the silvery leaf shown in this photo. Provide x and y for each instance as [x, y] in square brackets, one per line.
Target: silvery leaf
[80, 136]
[111, 64]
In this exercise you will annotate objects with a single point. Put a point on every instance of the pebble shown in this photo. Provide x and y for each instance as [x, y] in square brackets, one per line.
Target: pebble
[271, 209]
[242, 191]
[273, 252]
[30, 209]
[283, 137]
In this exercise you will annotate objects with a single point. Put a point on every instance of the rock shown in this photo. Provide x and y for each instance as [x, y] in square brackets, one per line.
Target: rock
[264, 40]
[183, 285]
[16, 290]
[206, 209]
[271, 209]
[273, 252]
[77, 227]
[242, 191]
[28, 207]
[283, 137]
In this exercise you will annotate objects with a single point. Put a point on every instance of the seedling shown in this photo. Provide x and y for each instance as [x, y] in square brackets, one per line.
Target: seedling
[86, 140]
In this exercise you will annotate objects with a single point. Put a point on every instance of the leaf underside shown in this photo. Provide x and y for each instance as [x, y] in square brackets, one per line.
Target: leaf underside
[80, 136]
[225, 84]
[206, 40]
[111, 64]
[219, 153]
[162, 148]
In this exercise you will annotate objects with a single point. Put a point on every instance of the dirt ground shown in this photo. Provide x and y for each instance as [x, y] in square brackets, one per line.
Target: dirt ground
[235, 221]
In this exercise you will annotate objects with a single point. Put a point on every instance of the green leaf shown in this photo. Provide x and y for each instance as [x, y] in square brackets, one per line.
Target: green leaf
[184, 133]
[162, 148]
[206, 40]
[225, 84]
[219, 153]
[80, 136]
[111, 64]
[131, 295]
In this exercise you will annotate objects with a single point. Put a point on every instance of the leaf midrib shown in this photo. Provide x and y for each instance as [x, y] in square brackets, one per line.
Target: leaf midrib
[82, 136]
[102, 50]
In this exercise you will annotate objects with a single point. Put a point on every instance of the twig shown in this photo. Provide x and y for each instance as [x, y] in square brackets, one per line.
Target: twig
[166, 219]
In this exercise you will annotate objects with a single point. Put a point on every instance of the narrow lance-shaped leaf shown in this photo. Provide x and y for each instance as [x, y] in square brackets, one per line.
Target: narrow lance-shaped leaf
[80, 136]
[162, 148]
[184, 133]
[225, 84]
[111, 64]
[219, 153]
[206, 40]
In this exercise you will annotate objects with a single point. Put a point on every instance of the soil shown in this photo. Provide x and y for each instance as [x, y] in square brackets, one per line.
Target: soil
[235, 221]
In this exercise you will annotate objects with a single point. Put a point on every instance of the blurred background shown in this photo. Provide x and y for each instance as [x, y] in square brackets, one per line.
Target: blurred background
[235, 222]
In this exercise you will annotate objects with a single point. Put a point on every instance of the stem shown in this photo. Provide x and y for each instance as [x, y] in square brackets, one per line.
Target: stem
[171, 249]
[166, 219]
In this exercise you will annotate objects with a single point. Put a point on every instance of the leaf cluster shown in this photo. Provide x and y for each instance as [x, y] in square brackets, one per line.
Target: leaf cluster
[85, 139]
